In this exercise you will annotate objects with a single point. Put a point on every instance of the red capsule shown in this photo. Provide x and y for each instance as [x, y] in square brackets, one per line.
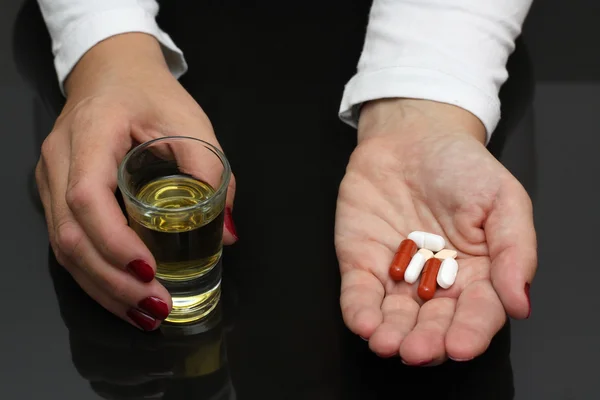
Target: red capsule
[404, 254]
[428, 283]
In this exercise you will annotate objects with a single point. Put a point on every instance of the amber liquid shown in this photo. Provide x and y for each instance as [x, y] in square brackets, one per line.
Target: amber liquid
[185, 239]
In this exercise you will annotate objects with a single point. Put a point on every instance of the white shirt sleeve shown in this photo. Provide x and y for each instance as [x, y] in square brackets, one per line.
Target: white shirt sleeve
[75, 26]
[451, 51]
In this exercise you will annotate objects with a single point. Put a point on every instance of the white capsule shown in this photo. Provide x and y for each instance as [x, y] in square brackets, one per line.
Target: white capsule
[413, 271]
[447, 273]
[429, 241]
[446, 253]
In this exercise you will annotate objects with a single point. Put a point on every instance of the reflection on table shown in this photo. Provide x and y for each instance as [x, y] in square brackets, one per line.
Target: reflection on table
[121, 362]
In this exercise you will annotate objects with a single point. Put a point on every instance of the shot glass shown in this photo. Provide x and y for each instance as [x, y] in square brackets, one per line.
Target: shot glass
[174, 189]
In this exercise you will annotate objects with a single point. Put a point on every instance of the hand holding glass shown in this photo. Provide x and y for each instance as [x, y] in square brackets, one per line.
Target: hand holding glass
[174, 190]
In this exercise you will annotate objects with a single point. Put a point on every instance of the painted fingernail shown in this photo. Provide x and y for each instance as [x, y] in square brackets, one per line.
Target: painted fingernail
[141, 269]
[155, 307]
[527, 286]
[229, 225]
[144, 321]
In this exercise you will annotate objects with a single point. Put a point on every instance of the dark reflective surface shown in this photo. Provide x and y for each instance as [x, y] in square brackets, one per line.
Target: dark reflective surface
[279, 332]
[176, 362]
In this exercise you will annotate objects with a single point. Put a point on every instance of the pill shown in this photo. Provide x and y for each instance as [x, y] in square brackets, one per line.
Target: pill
[446, 253]
[427, 240]
[447, 274]
[416, 265]
[404, 254]
[428, 282]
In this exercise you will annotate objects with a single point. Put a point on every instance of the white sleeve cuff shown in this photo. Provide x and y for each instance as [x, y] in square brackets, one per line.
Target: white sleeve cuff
[450, 51]
[99, 26]
[417, 83]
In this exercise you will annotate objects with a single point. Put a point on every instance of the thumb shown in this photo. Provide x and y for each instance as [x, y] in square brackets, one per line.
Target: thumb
[512, 243]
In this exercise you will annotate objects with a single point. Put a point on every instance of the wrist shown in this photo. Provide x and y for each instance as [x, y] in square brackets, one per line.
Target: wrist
[124, 58]
[414, 117]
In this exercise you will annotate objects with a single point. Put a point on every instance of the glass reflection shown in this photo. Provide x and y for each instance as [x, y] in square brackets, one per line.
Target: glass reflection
[120, 362]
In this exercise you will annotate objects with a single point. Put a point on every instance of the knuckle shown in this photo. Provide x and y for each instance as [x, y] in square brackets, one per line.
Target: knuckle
[48, 148]
[68, 237]
[78, 196]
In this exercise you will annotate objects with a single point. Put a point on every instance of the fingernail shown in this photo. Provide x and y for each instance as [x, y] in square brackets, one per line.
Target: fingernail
[365, 339]
[141, 269]
[229, 225]
[144, 321]
[155, 307]
[527, 286]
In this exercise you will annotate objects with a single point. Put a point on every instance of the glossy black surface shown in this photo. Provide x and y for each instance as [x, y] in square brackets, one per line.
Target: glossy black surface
[279, 333]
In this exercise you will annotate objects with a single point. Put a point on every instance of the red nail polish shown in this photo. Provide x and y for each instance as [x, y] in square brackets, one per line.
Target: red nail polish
[155, 307]
[527, 287]
[229, 225]
[141, 269]
[144, 321]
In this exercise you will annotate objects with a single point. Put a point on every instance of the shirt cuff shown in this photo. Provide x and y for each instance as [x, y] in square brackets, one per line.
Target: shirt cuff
[99, 26]
[417, 83]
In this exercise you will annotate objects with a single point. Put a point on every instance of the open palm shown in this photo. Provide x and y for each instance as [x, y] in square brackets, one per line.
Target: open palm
[452, 186]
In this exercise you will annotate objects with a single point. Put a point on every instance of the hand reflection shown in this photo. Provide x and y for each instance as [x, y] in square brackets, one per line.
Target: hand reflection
[121, 362]
[488, 377]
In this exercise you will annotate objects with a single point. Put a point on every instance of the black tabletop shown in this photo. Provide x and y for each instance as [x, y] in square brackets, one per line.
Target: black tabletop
[278, 333]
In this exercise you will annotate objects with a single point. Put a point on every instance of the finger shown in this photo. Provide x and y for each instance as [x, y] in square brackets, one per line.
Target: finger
[399, 317]
[90, 198]
[513, 248]
[136, 316]
[76, 249]
[360, 300]
[425, 344]
[478, 317]
[119, 285]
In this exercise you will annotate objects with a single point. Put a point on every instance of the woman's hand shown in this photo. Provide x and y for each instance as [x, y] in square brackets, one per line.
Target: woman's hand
[119, 94]
[421, 165]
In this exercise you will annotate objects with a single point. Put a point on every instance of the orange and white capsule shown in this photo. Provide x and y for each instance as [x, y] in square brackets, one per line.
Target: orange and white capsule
[404, 254]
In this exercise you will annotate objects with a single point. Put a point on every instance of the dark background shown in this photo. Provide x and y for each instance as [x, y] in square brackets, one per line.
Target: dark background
[552, 147]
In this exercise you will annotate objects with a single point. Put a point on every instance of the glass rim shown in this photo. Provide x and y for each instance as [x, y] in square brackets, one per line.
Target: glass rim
[225, 175]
